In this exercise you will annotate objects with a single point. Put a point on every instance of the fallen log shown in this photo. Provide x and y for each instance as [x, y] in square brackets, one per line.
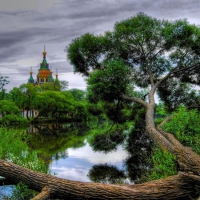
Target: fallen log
[181, 186]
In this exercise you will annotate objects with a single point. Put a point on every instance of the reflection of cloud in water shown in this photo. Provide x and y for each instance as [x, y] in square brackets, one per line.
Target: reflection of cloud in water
[81, 160]
[72, 173]
[97, 157]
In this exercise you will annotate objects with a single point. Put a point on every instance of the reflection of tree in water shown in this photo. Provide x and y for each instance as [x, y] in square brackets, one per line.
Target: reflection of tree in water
[52, 140]
[104, 173]
[50, 128]
[137, 144]
[107, 141]
[139, 147]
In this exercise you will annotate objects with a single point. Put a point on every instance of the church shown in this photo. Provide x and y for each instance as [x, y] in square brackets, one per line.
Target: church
[44, 73]
[44, 76]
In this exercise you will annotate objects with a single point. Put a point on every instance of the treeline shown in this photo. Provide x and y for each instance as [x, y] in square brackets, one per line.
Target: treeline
[29, 103]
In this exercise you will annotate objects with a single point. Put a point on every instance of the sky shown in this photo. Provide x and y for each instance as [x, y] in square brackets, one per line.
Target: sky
[27, 25]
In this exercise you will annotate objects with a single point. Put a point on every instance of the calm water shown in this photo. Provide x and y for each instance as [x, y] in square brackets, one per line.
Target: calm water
[65, 150]
[76, 158]
[81, 160]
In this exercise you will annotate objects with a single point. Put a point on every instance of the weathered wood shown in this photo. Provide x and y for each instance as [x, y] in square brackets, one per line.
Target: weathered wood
[44, 194]
[181, 186]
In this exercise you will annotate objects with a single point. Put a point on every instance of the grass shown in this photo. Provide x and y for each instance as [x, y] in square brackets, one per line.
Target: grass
[13, 148]
[163, 165]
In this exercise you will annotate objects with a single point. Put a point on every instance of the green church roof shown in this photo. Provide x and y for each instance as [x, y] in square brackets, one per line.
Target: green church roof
[31, 80]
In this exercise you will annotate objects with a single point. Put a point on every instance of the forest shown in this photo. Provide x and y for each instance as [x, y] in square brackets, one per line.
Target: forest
[143, 76]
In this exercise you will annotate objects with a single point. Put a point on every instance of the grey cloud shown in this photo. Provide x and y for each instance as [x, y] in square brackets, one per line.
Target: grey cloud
[24, 32]
[9, 54]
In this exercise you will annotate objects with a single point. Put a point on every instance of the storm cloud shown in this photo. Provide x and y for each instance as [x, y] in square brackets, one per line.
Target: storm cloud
[26, 26]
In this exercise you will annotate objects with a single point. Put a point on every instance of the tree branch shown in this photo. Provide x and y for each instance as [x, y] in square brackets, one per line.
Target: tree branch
[43, 195]
[134, 99]
[175, 70]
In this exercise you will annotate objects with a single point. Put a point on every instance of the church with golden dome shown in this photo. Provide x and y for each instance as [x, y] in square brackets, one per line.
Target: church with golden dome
[44, 73]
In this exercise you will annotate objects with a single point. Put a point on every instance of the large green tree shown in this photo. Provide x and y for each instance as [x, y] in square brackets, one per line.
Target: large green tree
[144, 53]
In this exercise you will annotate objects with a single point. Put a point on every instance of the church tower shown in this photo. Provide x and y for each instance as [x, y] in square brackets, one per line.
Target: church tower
[44, 73]
[31, 80]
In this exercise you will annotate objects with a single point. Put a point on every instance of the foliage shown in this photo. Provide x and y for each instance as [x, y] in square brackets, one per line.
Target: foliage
[110, 83]
[13, 120]
[56, 85]
[3, 81]
[161, 112]
[95, 109]
[175, 93]
[163, 165]
[78, 95]
[139, 52]
[13, 148]
[185, 125]
[8, 107]
[80, 57]
[18, 96]
[24, 96]
[20, 192]
[51, 103]
[11, 114]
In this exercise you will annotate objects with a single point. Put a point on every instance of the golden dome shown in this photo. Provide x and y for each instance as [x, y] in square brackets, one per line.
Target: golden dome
[44, 53]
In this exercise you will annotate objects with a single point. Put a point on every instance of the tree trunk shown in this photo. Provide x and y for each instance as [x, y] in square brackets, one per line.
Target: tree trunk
[181, 186]
[186, 158]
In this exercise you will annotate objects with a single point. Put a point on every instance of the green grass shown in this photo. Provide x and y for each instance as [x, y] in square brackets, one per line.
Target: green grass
[13, 148]
[185, 125]
[163, 165]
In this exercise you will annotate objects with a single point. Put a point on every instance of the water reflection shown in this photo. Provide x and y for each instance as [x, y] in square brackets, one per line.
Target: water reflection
[107, 174]
[65, 149]
[51, 140]
[81, 160]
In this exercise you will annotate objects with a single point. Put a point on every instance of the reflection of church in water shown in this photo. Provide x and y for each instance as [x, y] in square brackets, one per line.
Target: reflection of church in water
[44, 73]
